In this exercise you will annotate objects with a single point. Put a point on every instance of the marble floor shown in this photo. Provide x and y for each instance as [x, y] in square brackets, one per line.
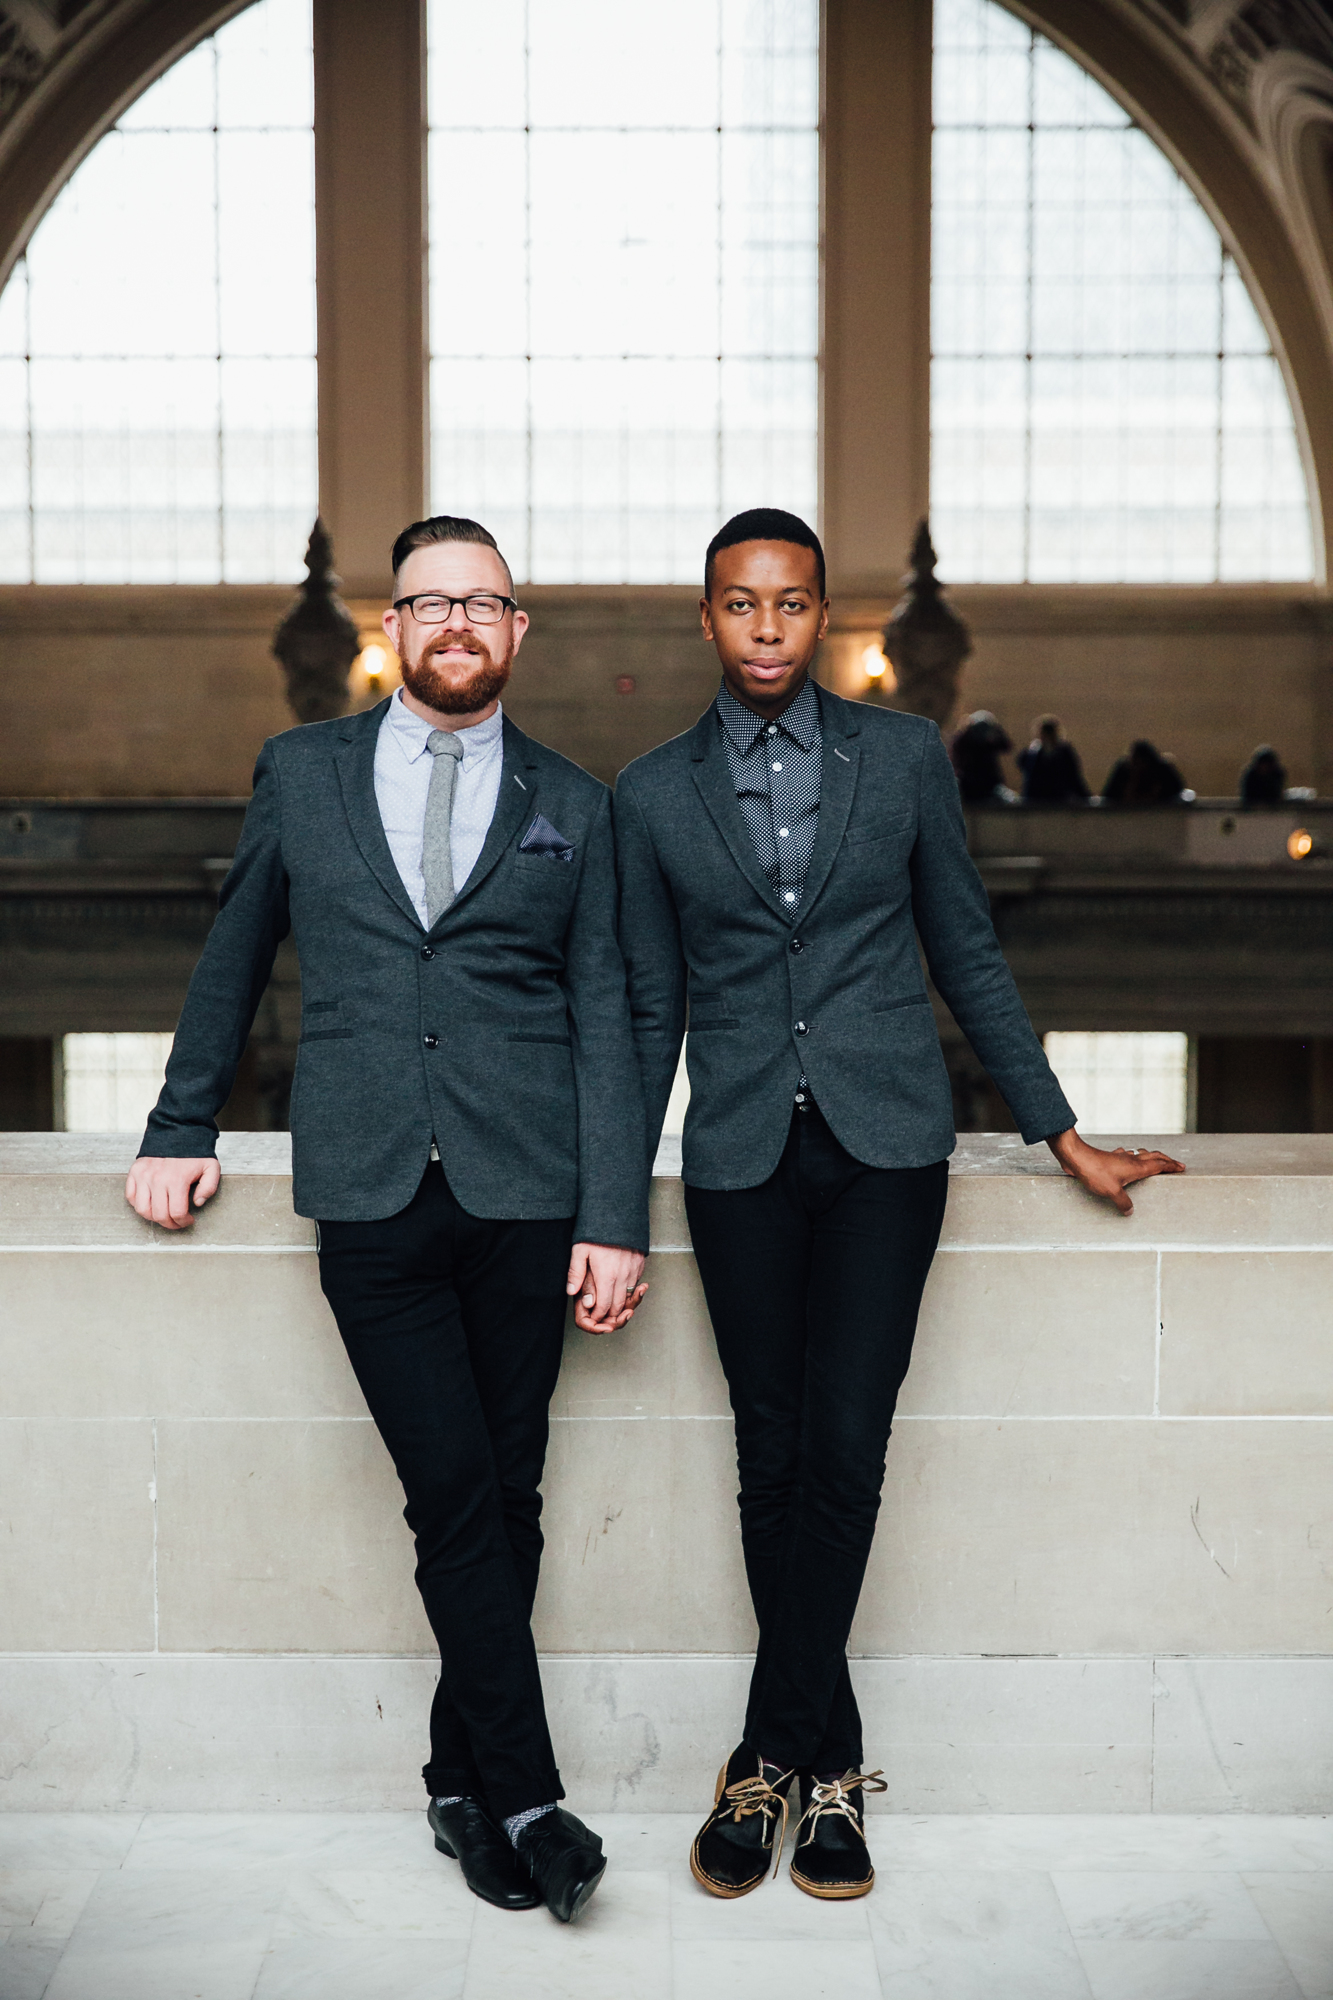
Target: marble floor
[348, 1906]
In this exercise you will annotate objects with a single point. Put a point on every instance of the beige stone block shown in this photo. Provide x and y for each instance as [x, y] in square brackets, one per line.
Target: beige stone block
[1035, 1333]
[666, 1214]
[200, 1734]
[283, 1537]
[1239, 1189]
[206, 1736]
[1254, 1735]
[1249, 1334]
[1097, 1537]
[76, 1536]
[69, 1188]
[1009, 1735]
[110, 1334]
[664, 1363]
[642, 1542]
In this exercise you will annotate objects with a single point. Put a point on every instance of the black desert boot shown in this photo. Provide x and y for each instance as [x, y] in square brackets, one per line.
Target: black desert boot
[830, 1858]
[733, 1849]
[565, 1860]
[485, 1853]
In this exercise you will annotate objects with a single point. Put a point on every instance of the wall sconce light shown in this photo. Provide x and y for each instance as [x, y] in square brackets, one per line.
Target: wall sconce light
[876, 667]
[1301, 844]
[374, 664]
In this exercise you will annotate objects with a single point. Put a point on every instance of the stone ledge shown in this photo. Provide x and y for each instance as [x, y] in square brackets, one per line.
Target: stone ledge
[1265, 1190]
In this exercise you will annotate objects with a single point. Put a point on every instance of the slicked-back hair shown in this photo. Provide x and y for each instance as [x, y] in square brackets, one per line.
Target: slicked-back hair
[763, 524]
[445, 528]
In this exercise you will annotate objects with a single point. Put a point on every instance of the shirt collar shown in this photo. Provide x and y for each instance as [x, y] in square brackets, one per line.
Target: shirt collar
[799, 721]
[412, 732]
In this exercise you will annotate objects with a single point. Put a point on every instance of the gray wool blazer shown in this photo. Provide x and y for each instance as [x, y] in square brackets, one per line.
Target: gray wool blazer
[837, 988]
[504, 1030]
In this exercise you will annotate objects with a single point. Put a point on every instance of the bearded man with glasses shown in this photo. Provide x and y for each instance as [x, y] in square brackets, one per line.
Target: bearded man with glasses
[466, 1096]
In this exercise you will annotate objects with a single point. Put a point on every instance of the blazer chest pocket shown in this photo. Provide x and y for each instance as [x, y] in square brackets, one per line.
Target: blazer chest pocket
[891, 826]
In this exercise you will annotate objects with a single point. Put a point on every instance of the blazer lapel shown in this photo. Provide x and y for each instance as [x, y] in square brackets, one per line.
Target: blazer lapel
[837, 789]
[355, 764]
[515, 806]
[713, 778]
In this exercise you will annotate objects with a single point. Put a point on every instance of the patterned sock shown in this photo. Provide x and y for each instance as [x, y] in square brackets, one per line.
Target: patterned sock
[454, 1799]
[516, 1822]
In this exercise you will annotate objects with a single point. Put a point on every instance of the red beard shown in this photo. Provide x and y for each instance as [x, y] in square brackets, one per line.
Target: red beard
[452, 696]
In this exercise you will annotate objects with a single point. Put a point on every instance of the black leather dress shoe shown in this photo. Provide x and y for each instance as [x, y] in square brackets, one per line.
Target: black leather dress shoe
[485, 1853]
[733, 1849]
[565, 1860]
[830, 1858]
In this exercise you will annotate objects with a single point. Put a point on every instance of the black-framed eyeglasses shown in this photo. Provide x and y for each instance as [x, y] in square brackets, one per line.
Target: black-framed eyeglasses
[481, 608]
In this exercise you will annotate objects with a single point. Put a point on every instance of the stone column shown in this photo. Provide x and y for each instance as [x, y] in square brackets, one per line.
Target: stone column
[370, 201]
[875, 391]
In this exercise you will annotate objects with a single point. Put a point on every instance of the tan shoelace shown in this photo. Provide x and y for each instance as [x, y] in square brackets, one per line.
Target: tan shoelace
[836, 1798]
[752, 1795]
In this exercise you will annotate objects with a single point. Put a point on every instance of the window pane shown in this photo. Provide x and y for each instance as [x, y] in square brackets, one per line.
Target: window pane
[163, 324]
[624, 274]
[1122, 1084]
[1105, 405]
[111, 1082]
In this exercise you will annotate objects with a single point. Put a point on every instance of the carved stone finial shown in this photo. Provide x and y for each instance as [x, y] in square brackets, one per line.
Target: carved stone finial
[926, 640]
[317, 641]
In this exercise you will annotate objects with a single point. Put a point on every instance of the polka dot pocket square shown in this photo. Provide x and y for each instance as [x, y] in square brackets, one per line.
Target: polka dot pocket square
[542, 838]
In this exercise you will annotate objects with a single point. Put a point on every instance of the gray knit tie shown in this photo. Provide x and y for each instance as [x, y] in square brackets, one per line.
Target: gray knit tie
[436, 860]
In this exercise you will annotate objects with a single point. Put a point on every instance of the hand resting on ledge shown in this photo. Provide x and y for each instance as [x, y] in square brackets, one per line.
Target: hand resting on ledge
[1109, 1173]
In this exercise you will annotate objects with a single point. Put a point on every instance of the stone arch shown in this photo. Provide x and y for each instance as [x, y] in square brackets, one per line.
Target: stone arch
[79, 95]
[1263, 179]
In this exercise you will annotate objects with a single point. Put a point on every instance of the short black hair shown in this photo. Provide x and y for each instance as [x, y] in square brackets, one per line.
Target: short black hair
[764, 524]
[445, 528]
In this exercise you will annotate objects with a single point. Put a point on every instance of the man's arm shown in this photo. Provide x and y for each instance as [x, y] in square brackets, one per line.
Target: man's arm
[654, 960]
[178, 1153]
[953, 919]
[611, 1226]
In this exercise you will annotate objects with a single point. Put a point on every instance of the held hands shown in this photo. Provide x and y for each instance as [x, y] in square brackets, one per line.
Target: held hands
[1109, 1174]
[608, 1283]
[159, 1190]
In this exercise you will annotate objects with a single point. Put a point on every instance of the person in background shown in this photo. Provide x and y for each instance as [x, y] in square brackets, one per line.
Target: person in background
[1264, 780]
[1052, 773]
[1147, 776]
[975, 753]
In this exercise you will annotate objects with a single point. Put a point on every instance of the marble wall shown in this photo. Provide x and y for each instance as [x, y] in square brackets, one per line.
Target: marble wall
[1101, 1581]
[169, 691]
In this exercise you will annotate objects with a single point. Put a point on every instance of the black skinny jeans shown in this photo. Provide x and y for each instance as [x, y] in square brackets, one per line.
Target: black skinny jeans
[454, 1326]
[813, 1281]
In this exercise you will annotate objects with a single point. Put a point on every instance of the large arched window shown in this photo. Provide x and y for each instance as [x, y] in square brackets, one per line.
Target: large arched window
[157, 343]
[1105, 404]
[624, 275]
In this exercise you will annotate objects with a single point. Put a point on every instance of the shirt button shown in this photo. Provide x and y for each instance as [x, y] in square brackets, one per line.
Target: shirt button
[789, 895]
[772, 729]
[427, 951]
[777, 767]
[782, 833]
[801, 1028]
[431, 1041]
[796, 945]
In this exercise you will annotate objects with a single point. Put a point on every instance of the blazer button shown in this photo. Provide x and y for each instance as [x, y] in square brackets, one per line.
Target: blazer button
[427, 951]
[431, 1041]
[796, 945]
[801, 1029]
